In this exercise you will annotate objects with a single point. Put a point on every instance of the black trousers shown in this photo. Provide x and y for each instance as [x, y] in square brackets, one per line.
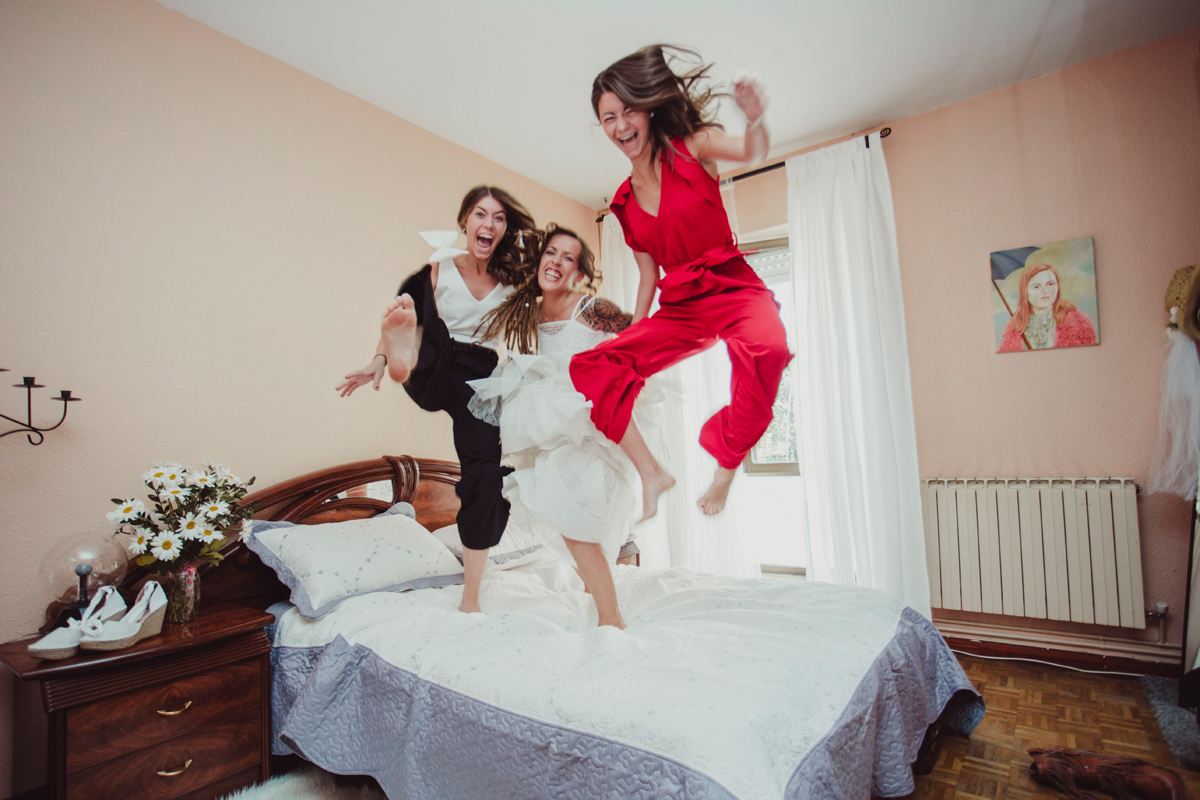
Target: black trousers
[439, 383]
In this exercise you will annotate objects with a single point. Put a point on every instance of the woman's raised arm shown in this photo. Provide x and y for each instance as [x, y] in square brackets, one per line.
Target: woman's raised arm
[371, 373]
[713, 144]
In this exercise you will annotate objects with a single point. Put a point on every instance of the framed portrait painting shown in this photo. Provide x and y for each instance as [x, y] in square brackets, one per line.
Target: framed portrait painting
[1044, 296]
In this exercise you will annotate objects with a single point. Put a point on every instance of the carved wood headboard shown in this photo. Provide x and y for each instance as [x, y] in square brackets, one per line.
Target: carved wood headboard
[322, 496]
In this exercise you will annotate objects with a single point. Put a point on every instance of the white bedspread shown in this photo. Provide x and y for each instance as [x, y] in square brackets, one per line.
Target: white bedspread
[734, 678]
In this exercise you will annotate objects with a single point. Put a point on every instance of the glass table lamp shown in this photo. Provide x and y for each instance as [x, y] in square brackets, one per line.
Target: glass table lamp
[76, 566]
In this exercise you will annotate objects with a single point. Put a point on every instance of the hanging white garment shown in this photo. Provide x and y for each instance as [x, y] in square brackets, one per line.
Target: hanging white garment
[857, 430]
[1177, 453]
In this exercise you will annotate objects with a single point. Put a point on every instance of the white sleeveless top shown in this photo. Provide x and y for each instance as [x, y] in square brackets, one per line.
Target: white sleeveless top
[570, 336]
[458, 308]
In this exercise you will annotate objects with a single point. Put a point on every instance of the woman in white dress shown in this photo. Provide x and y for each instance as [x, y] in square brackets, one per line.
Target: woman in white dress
[571, 486]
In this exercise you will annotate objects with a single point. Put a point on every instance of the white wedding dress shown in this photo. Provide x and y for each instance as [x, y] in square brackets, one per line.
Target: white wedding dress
[569, 479]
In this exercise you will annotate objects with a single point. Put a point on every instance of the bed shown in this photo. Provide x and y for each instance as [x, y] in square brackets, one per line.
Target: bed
[720, 688]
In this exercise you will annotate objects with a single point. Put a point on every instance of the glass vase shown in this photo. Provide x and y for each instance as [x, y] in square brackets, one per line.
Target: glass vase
[183, 594]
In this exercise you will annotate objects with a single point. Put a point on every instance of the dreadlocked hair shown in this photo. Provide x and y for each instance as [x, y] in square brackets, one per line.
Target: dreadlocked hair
[517, 318]
[512, 251]
[678, 104]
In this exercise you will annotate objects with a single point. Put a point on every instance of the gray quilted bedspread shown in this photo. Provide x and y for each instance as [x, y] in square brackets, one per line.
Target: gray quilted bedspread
[347, 709]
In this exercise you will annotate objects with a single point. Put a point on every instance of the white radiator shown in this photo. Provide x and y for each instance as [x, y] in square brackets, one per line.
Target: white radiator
[1056, 548]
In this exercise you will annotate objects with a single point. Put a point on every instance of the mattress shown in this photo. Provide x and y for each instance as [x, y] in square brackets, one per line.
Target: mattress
[719, 688]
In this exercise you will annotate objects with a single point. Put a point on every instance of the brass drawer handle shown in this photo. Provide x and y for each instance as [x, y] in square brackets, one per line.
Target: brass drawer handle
[186, 706]
[172, 773]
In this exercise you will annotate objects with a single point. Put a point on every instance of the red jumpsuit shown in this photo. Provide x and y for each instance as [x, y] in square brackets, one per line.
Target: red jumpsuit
[708, 293]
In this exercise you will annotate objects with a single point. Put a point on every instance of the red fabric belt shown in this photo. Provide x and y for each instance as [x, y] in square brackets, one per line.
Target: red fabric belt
[691, 270]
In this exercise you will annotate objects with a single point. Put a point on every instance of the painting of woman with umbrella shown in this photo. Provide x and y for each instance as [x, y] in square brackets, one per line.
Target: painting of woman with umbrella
[1045, 297]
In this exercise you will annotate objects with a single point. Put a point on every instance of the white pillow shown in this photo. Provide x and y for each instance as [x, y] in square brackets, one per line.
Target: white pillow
[517, 547]
[324, 564]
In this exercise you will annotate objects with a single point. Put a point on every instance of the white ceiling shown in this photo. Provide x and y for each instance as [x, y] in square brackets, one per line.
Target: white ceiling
[512, 80]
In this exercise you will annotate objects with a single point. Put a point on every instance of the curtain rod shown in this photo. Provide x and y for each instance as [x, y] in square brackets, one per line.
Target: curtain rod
[883, 133]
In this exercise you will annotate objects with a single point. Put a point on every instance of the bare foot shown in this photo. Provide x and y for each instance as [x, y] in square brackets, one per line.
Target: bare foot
[616, 622]
[470, 608]
[713, 500]
[652, 487]
[400, 341]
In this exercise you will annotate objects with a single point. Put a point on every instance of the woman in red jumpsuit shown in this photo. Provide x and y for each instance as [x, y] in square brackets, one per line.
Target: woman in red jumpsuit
[671, 212]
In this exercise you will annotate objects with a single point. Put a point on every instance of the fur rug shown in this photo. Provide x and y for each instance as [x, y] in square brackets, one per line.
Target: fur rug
[309, 784]
[1178, 725]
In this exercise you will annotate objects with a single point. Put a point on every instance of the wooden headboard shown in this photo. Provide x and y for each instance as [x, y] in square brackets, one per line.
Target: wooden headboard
[328, 495]
[314, 498]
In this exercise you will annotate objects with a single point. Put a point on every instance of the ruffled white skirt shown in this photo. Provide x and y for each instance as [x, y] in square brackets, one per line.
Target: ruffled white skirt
[569, 479]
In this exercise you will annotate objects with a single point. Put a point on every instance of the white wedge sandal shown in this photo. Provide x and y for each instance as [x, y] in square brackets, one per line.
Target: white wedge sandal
[107, 604]
[143, 620]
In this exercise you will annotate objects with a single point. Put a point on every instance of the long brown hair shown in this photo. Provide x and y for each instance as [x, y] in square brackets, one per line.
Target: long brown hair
[511, 251]
[1020, 320]
[518, 316]
[678, 104]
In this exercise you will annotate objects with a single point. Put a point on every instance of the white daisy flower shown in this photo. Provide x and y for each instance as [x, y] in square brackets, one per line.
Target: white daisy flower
[214, 508]
[156, 475]
[189, 526]
[201, 479]
[174, 492]
[172, 475]
[225, 477]
[139, 540]
[208, 533]
[125, 512]
[166, 546]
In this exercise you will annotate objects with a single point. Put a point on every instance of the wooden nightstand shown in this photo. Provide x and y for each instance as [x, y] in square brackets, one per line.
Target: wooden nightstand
[185, 714]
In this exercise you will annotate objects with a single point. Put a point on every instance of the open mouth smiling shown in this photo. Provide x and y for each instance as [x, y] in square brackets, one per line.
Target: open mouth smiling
[484, 240]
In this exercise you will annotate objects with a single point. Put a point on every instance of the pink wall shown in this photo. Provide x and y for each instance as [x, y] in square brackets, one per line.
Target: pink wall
[198, 240]
[1110, 149]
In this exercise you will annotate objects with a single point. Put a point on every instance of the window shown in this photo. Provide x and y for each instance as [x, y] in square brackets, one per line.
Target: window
[777, 452]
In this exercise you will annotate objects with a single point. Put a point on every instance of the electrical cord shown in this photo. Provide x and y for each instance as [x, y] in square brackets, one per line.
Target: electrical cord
[1048, 664]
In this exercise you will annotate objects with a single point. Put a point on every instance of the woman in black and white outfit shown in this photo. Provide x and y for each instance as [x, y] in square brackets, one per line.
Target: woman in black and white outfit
[431, 343]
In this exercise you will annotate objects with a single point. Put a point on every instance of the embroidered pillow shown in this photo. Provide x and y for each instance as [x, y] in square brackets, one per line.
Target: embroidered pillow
[324, 564]
[516, 548]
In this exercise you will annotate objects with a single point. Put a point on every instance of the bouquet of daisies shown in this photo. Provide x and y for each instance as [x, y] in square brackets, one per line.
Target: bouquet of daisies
[184, 522]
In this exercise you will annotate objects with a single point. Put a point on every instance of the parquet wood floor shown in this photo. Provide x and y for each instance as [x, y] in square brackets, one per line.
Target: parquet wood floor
[1031, 705]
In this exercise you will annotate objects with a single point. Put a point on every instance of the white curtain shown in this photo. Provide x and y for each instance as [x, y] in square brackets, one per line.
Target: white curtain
[858, 437]
[618, 268]
[680, 535]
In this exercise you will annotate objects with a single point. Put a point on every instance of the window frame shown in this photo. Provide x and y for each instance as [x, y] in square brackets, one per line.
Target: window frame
[771, 275]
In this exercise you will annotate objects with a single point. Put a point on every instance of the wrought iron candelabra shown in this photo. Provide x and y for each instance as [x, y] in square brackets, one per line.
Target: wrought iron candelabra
[28, 427]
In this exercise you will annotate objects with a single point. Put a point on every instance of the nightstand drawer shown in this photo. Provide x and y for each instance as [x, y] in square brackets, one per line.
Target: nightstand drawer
[163, 772]
[115, 726]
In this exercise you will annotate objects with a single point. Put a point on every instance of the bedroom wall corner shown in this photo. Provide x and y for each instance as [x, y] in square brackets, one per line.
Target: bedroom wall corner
[1107, 149]
[7, 699]
[198, 241]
